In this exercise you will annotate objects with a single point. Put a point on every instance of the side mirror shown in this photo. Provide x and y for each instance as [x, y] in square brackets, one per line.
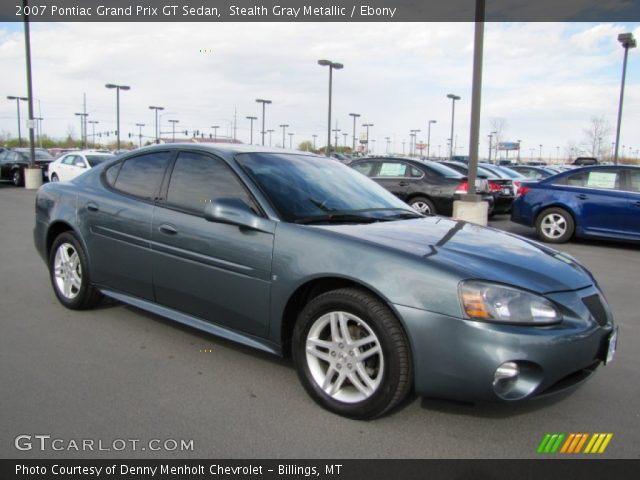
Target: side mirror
[234, 211]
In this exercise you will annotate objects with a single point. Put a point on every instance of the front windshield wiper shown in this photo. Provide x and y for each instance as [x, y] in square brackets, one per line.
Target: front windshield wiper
[339, 217]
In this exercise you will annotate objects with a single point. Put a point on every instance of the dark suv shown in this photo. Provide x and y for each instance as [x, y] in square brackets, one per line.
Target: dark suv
[429, 187]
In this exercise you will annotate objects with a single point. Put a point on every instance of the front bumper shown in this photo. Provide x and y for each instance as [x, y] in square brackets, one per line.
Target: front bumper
[457, 359]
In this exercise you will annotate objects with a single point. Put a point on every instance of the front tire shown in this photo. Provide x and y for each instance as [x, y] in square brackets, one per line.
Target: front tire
[351, 354]
[18, 178]
[69, 273]
[555, 225]
[54, 178]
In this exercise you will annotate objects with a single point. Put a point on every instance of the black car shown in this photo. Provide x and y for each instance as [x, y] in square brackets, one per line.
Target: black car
[429, 187]
[502, 188]
[13, 162]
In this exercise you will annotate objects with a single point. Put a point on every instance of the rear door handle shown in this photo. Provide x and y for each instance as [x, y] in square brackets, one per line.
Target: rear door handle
[403, 183]
[168, 229]
[92, 207]
[583, 196]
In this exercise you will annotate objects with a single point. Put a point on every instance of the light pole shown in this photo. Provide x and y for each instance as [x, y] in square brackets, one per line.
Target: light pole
[140, 125]
[215, 132]
[345, 135]
[490, 143]
[251, 119]
[83, 128]
[388, 139]
[627, 41]
[290, 141]
[412, 149]
[429, 136]
[152, 107]
[39, 130]
[283, 127]
[314, 140]
[367, 125]
[336, 131]
[93, 130]
[18, 99]
[332, 66]
[354, 115]
[453, 114]
[270, 132]
[540, 152]
[263, 102]
[118, 88]
[173, 125]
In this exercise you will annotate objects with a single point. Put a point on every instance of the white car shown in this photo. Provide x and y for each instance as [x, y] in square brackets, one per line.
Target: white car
[73, 164]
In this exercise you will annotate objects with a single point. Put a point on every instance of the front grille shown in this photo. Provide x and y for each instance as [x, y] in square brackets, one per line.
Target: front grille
[596, 308]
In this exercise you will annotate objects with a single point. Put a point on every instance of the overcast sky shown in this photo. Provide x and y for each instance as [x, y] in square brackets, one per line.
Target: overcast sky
[546, 80]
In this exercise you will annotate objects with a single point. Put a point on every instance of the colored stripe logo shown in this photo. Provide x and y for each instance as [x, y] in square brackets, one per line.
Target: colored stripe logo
[574, 443]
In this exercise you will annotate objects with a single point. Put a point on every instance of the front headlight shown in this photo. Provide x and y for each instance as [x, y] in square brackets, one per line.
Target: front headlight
[492, 302]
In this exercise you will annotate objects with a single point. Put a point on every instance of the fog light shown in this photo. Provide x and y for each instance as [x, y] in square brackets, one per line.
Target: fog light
[505, 378]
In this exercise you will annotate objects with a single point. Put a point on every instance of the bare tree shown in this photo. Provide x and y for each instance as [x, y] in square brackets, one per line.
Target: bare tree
[596, 136]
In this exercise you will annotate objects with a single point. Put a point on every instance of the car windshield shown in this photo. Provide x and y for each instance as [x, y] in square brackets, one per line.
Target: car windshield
[96, 159]
[303, 188]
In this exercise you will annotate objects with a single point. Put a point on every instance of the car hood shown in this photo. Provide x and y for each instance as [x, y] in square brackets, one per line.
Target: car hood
[475, 252]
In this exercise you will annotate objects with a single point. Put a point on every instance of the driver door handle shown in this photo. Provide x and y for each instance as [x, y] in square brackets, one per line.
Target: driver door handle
[168, 229]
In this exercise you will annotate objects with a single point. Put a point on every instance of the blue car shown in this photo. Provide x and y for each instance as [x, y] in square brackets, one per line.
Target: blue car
[598, 202]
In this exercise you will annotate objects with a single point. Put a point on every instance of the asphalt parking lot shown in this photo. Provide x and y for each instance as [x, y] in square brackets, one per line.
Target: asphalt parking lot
[117, 372]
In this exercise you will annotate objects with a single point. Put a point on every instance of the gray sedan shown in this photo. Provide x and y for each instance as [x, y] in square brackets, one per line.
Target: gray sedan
[294, 253]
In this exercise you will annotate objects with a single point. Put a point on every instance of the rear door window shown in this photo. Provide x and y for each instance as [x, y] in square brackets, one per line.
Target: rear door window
[141, 176]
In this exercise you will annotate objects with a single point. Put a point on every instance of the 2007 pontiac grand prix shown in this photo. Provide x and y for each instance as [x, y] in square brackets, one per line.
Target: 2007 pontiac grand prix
[290, 252]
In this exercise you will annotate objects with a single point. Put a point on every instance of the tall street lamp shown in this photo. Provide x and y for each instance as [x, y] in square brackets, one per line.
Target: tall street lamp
[367, 125]
[388, 139]
[490, 143]
[251, 119]
[118, 88]
[140, 125]
[332, 66]
[290, 141]
[93, 130]
[354, 115]
[270, 132]
[314, 140]
[345, 135]
[83, 128]
[414, 134]
[519, 148]
[336, 131]
[429, 136]
[173, 124]
[283, 127]
[627, 41]
[18, 99]
[215, 132]
[263, 102]
[540, 151]
[153, 107]
[453, 114]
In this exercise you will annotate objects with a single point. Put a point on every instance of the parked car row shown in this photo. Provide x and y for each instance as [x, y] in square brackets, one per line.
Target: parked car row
[290, 252]
[13, 162]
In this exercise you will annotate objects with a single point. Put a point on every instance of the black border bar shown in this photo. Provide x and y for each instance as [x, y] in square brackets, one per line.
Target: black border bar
[320, 10]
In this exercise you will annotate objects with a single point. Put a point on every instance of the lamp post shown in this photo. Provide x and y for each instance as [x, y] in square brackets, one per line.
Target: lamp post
[140, 125]
[93, 130]
[215, 132]
[453, 114]
[83, 128]
[367, 125]
[251, 119]
[263, 102]
[118, 88]
[429, 136]
[414, 136]
[173, 125]
[519, 148]
[354, 115]
[270, 132]
[627, 41]
[345, 135]
[388, 139]
[336, 131]
[490, 143]
[540, 151]
[18, 99]
[290, 141]
[314, 140]
[283, 127]
[153, 107]
[332, 66]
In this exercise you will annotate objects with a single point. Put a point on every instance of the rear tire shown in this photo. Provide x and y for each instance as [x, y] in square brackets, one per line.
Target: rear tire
[18, 178]
[555, 225]
[69, 274]
[423, 205]
[351, 354]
